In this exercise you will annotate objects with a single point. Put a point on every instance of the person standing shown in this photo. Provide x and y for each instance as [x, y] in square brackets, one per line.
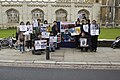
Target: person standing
[21, 42]
[21, 29]
[28, 37]
[55, 32]
[94, 32]
[54, 28]
[77, 24]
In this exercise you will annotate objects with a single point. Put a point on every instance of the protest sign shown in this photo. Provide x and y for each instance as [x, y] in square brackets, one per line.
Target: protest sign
[45, 34]
[40, 44]
[23, 28]
[53, 39]
[83, 42]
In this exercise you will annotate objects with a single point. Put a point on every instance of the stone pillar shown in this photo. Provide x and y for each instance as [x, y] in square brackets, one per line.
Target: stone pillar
[24, 12]
[49, 12]
[96, 12]
[72, 12]
[1, 13]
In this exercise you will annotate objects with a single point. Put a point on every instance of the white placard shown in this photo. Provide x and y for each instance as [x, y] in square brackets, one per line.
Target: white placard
[23, 28]
[53, 39]
[40, 44]
[94, 30]
[26, 33]
[35, 23]
[30, 28]
[83, 42]
[86, 28]
[45, 34]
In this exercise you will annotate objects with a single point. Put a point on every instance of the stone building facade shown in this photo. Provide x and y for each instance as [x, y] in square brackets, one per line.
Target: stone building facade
[15, 11]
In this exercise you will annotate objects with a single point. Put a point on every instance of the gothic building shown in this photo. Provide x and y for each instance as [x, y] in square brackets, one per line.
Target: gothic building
[15, 11]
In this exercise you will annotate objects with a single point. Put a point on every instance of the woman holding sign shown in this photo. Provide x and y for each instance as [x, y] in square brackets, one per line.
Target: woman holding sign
[94, 32]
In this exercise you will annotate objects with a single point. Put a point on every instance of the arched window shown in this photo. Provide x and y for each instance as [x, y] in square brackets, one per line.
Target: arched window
[12, 16]
[83, 14]
[38, 14]
[61, 15]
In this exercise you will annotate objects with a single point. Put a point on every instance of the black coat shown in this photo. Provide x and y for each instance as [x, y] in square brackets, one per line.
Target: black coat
[54, 30]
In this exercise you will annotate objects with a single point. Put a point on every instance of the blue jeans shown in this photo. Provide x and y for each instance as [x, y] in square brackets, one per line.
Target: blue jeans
[22, 48]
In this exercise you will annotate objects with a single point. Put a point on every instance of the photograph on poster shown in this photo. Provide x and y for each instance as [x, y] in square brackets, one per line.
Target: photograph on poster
[75, 31]
[94, 30]
[86, 28]
[83, 42]
[45, 34]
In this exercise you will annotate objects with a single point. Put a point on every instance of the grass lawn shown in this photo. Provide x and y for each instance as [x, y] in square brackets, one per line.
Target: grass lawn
[4, 33]
[109, 33]
[106, 33]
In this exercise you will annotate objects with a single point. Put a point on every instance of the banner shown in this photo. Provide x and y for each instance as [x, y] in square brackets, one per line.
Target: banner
[40, 44]
[45, 34]
[83, 42]
[66, 28]
[23, 28]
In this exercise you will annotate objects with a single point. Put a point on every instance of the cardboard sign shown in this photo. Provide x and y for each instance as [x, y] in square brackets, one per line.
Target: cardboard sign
[53, 39]
[83, 42]
[45, 34]
[40, 44]
[23, 28]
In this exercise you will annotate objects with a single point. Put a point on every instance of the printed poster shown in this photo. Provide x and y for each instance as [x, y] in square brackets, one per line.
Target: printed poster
[35, 23]
[86, 28]
[75, 31]
[45, 34]
[94, 30]
[53, 39]
[44, 27]
[23, 28]
[83, 42]
[40, 44]
[66, 28]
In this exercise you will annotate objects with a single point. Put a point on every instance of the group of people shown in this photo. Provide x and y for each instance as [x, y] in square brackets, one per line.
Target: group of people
[27, 33]
[90, 31]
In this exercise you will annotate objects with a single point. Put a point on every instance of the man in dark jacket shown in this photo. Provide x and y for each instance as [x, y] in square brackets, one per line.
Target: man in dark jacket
[55, 28]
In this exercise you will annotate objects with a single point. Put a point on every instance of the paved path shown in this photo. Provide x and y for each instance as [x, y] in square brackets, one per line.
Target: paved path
[103, 54]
